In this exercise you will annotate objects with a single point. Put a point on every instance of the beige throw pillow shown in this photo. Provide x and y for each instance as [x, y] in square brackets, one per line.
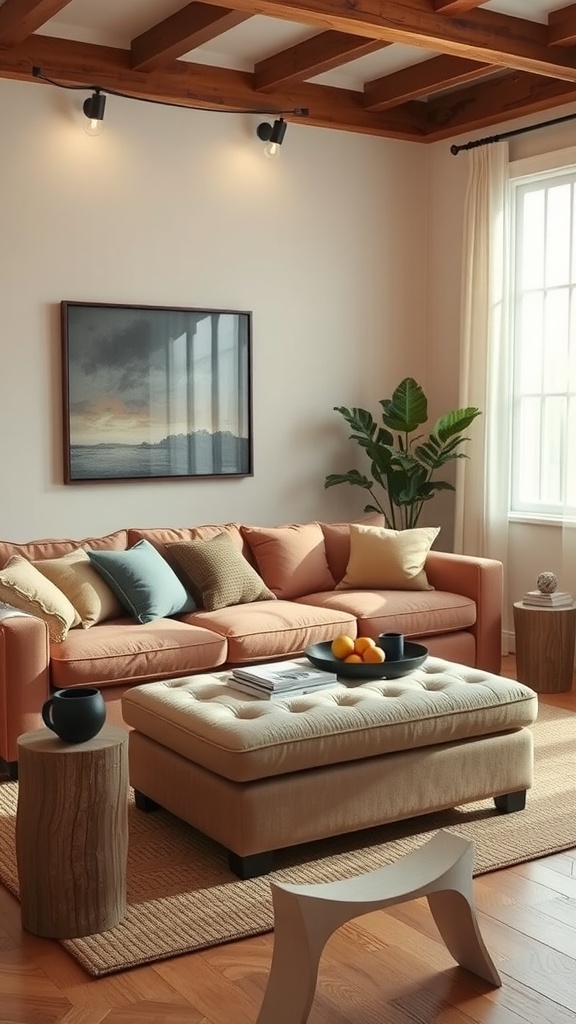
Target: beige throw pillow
[217, 573]
[23, 587]
[83, 585]
[383, 559]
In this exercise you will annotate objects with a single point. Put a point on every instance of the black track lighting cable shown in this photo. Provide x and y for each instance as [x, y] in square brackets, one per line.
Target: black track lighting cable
[296, 111]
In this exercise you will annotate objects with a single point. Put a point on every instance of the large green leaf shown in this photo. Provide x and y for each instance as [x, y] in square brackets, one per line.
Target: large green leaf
[455, 422]
[407, 409]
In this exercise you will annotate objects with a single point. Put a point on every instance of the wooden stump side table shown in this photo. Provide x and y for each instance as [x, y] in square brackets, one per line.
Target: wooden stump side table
[545, 646]
[72, 832]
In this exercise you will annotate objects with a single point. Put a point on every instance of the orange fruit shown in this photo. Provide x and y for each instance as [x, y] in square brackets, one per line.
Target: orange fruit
[353, 659]
[342, 646]
[362, 643]
[373, 656]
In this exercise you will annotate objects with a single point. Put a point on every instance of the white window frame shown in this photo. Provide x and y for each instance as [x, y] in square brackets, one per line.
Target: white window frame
[543, 168]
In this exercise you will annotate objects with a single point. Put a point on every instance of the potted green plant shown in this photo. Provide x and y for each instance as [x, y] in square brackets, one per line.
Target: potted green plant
[403, 462]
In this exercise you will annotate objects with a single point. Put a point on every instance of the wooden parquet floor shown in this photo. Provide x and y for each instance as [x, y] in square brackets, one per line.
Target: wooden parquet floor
[384, 968]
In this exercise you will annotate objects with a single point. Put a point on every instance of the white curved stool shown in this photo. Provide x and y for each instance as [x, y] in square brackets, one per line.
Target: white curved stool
[306, 915]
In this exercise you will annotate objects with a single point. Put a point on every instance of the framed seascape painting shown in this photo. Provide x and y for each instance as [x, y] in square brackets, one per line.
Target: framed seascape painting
[152, 392]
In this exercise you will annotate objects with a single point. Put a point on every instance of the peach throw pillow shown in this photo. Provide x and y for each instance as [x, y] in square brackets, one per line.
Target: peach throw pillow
[383, 559]
[291, 559]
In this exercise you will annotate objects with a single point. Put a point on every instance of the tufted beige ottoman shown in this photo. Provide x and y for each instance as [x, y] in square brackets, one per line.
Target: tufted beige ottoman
[260, 775]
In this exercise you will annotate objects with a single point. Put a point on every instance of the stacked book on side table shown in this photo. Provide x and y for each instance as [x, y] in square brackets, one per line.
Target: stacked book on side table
[281, 679]
[557, 599]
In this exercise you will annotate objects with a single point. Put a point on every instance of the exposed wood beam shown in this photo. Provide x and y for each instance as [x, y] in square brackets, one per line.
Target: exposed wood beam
[456, 6]
[312, 57]
[493, 102]
[562, 27]
[20, 18]
[481, 35]
[194, 25]
[421, 80]
[199, 85]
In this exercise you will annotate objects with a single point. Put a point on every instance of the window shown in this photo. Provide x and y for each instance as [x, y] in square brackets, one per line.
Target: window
[543, 332]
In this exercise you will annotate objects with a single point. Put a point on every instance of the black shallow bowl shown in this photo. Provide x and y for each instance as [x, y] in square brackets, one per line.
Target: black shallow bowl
[414, 656]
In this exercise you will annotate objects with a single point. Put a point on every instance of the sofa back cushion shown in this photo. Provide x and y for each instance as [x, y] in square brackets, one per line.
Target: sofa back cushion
[36, 549]
[337, 541]
[160, 537]
[290, 559]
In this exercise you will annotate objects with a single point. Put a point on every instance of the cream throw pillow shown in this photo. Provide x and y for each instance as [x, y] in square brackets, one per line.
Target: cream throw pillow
[23, 587]
[383, 559]
[83, 585]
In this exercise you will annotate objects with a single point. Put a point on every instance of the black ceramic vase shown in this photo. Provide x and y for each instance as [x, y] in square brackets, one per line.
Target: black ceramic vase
[75, 715]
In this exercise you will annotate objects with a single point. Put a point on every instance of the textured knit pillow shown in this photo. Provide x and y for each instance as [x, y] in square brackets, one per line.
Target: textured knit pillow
[291, 559]
[23, 587]
[219, 576]
[383, 559]
[143, 581]
[75, 576]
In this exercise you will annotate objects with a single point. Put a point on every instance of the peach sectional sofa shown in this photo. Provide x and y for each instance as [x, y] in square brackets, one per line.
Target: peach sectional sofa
[277, 589]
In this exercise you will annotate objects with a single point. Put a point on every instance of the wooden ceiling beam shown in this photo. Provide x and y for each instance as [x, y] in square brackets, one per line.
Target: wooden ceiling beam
[187, 29]
[20, 18]
[421, 80]
[183, 83]
[481, 35]
[493, 102]
[562, 27]
[456, 6]
[321, 53]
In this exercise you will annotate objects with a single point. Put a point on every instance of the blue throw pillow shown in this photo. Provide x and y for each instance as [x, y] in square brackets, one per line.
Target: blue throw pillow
[143, 581]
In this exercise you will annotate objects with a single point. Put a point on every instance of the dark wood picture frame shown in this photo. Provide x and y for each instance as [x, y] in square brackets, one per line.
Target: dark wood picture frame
[155, 392]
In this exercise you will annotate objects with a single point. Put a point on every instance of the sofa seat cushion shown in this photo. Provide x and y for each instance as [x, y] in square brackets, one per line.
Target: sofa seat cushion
[273, 629]
[414, 612]
[243, 738]
[122, 651]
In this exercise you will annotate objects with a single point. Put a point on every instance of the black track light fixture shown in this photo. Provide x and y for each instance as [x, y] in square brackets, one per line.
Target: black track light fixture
[273, 136]
[94, 108]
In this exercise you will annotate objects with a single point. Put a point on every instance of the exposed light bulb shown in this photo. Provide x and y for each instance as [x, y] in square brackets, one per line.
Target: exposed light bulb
[94, 108]
[272, 150]
[94, 127]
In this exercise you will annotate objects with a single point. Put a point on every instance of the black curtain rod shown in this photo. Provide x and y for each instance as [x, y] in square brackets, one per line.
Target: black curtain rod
[508, 135]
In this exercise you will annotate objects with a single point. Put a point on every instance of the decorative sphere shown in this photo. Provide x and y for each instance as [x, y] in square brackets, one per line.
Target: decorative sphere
[547, 582]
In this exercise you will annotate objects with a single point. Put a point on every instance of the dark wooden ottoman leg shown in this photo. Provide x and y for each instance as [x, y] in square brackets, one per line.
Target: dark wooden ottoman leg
[510, 802]
[252, 866]
[145, 803]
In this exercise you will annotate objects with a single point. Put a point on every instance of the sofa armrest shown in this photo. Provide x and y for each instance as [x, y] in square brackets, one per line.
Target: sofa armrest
[24, 678]
[480, 579]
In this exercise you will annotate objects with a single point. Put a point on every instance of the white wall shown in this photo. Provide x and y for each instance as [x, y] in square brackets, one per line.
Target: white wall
[327, 247]
[532, 548]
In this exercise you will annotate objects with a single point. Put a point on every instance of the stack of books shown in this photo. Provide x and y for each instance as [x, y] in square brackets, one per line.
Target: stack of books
[558, 599]
[281, 679]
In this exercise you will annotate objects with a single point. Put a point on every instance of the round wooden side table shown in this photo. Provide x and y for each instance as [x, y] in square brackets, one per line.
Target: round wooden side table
[545, 646]
[72, 832]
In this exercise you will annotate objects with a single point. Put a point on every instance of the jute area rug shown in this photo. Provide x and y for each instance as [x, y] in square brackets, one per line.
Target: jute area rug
[182, 896]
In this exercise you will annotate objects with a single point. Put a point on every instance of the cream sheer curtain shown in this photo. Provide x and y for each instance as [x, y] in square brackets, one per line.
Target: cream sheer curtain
[482, 485]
